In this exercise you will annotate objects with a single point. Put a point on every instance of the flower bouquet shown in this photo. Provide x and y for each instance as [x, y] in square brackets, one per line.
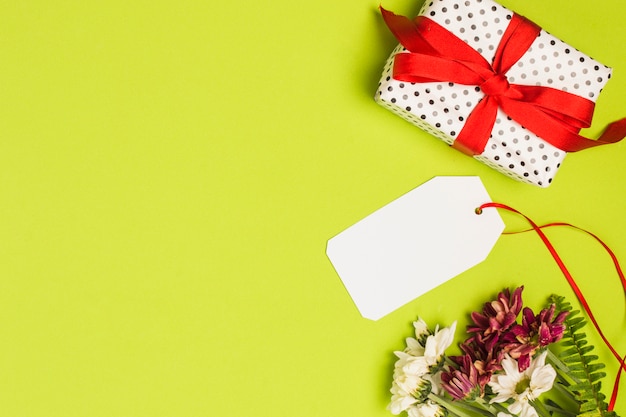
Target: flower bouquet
[514, 363]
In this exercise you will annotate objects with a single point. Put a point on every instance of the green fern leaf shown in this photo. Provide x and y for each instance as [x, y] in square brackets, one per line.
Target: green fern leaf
[591, 414]
[588, 406]
[581, 388]
[583, 375]
[597, 376]
[593, 367]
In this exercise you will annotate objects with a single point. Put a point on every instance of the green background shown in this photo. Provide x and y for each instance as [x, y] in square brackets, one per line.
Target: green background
[170, 173]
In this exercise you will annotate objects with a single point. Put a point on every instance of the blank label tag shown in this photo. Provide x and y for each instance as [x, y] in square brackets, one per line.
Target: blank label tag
[414, 244]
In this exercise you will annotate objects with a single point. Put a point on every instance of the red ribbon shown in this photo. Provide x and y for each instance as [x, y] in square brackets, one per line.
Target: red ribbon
[436, 55]
[570, 279]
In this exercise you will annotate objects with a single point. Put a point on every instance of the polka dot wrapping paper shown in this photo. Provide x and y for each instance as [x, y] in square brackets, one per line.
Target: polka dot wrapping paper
[441, 108]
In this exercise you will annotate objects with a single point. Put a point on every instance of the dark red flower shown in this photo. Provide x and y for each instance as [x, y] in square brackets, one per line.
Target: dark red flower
[497, 317]
[523, 340]
[462, 382]
[485, 361]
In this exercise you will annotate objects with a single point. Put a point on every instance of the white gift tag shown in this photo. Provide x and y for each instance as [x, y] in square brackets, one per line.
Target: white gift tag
[414, 244]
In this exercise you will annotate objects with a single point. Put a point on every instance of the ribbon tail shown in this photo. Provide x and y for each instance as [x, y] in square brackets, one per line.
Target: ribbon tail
[406, 32]
[554, 131]
[613, 133]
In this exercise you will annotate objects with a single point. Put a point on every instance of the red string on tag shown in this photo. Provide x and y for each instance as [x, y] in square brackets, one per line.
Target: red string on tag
[570, 279]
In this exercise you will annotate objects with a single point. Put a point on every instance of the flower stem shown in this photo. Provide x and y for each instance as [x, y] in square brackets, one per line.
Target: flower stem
[437, 399]
[488, 407]
[541, 409]
[499, 407]
[560, 411]
[565, 392]
[460, 408]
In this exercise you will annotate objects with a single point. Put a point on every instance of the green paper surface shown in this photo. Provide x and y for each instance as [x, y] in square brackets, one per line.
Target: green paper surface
[170, 172]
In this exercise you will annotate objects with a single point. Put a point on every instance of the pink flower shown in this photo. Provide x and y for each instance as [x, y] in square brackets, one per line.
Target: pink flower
[497, 316]
[486, 362]
[462, 383]
[523, 340]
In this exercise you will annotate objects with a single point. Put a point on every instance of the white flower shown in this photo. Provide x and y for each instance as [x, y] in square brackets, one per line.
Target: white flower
[412, 365]
[436, 344]
[433, 348]
[421, 328]
[408, 386]
[408, 383]
[405, 392]
[413, 345]
[426, 409]
[522, 387]
[400, 400]
[416, 373]
[435, 382]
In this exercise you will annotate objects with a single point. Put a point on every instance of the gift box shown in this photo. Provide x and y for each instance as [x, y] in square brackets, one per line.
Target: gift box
[443, 107]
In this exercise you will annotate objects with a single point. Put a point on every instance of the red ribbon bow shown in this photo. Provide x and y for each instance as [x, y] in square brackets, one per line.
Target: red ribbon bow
[436, 55]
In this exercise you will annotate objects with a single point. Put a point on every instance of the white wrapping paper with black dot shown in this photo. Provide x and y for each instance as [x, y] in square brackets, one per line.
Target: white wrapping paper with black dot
[441, 108]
